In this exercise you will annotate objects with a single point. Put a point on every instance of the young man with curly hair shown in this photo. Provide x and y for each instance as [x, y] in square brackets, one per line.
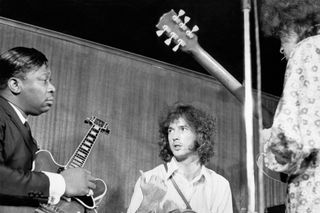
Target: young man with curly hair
[186, 144]
[292, 143]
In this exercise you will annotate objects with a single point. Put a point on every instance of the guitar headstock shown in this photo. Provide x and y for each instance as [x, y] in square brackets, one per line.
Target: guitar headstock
[103, 126]
[171, 24]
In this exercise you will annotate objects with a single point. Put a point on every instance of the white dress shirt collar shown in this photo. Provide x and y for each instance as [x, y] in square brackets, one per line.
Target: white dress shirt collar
[16, 109]
[173, 167]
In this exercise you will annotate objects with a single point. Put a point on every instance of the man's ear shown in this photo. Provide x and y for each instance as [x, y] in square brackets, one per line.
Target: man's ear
[14, 85]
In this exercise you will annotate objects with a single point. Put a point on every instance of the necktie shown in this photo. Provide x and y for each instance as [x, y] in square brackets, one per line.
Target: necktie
[29, 132]
[28, 127]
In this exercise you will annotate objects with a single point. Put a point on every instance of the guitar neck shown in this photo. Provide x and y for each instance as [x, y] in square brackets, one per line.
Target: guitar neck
[226, 79]
[219, 72]
[81, 154]
[175, 28]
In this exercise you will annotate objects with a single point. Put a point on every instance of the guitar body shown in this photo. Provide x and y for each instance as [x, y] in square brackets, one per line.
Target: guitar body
[45, 162]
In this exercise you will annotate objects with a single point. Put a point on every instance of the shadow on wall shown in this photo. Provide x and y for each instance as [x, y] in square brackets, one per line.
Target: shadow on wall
[115, 201]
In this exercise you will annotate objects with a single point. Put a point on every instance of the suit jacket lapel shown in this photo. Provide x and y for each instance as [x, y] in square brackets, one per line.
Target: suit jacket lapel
[16, 120]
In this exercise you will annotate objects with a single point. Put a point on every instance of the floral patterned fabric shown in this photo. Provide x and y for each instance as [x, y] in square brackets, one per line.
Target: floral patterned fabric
[292, 143]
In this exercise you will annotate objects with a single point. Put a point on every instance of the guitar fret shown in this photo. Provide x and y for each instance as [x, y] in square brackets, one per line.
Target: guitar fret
[96, 127]
[77, 162]
[88, 143]
[89, 138]
[81, 155]
[93, 133]
[95, 130]
[80, 164]
[84, 152]
[74, 165]
[78, 159]
[85, 147]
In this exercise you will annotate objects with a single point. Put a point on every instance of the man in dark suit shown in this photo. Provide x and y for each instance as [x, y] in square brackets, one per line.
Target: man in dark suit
[26, 89]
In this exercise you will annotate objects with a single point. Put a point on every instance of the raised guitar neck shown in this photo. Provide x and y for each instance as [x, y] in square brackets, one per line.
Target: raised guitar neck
[174, 26]
[82, 152]
[219, 72]
[225, 78]
[184, 38]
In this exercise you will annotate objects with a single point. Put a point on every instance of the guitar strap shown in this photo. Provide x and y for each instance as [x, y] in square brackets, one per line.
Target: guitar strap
[177, 188]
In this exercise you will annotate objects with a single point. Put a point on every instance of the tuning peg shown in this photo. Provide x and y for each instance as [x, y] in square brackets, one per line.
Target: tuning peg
[181, 13]
[176, 18]
[106, 130]
[190, 33]
[164, 29]
[172, 36]
[186, 19]
[89, 120]
[168, 41]
[182, 25]
[180, 43]
[160, 32]
[195, 28]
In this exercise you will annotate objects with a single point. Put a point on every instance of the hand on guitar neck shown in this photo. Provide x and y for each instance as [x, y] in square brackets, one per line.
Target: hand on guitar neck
[185, 39]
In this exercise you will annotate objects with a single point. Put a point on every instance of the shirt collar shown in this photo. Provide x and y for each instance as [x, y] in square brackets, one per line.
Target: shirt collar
[173, 167]
[16, 109]
[203, 173]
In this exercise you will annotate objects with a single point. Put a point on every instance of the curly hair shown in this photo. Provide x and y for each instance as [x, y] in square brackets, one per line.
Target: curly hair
[279, 16]
[202, 123]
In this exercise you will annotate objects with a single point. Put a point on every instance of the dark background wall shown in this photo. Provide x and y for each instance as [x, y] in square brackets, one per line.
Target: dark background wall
[130, 25]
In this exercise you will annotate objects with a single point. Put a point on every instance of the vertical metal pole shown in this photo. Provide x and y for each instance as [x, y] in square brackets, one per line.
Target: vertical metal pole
[248, 108]
[259, 107]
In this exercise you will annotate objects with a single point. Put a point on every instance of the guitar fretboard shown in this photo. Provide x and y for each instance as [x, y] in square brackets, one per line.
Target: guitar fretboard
[79, 157]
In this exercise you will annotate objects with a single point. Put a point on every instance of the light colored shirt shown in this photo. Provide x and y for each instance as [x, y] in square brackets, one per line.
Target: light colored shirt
[298, 119]
[208, 192]
[298, 112]
[57, 183]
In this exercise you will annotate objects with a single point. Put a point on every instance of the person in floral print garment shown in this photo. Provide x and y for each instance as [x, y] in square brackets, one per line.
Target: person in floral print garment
[292, 144]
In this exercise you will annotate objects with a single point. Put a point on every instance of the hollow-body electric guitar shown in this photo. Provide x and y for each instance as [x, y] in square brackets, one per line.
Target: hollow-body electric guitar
[45, 162]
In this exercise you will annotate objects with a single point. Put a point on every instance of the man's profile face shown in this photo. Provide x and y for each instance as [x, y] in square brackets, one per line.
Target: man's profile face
[37, 92]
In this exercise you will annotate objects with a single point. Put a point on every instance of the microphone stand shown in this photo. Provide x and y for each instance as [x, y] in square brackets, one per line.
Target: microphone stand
[248, 108]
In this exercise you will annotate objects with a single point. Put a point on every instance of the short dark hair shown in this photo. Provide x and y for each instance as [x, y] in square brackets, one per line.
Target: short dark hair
[202, 123]
[16, 62]
[277, 16]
